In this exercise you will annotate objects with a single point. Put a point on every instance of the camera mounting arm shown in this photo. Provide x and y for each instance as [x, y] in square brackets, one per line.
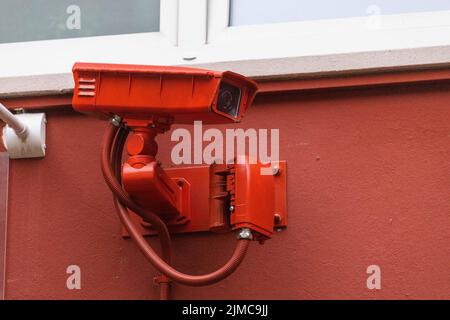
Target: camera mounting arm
[145, 179]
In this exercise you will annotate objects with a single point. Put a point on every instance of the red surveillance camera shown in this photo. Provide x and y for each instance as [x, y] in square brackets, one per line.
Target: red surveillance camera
[176, 93]
[144, 101]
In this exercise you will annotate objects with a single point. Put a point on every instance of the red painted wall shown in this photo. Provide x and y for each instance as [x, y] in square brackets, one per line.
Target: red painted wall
[368, 183]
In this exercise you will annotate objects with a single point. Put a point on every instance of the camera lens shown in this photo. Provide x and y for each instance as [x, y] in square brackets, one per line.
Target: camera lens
[226, 98]
[229, 99]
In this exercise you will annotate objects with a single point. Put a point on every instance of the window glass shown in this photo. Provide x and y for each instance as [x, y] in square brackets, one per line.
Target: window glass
[247, 12]
[30, 20]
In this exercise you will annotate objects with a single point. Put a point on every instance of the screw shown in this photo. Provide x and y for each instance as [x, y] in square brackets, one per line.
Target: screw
[275, 171]
[231, 208]
[116, 120]
[245, 233]
[189, 55]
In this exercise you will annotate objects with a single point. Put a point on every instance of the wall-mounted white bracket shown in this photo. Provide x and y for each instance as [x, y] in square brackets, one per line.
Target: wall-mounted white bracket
[32, 143]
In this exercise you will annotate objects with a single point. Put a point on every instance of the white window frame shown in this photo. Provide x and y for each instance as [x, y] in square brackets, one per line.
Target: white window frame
[197, 32]
[323, 37]
[182, 27]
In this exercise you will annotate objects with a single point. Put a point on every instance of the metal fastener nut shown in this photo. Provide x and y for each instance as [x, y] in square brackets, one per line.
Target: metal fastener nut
[275, 170]
[116, 121]
[245, 233]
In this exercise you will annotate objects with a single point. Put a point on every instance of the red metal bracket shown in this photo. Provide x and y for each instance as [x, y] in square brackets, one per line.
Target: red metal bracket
[216, 198]
[148, 183]
[203, 209]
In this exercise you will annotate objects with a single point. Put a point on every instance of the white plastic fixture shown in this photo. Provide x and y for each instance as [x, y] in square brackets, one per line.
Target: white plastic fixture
[24, 134]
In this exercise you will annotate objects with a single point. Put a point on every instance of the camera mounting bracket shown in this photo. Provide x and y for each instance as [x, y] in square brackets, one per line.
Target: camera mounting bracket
[210, 200]
[145, 179]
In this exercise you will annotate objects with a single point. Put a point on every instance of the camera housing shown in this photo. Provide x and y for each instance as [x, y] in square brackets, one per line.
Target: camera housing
[176, 93]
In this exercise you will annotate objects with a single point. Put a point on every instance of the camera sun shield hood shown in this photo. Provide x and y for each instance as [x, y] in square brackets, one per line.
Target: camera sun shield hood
[179, 93]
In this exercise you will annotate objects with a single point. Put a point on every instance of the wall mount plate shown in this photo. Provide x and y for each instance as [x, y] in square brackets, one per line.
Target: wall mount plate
[198, 178]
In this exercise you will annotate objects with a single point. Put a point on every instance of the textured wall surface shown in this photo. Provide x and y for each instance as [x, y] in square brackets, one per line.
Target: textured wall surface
[368, 183]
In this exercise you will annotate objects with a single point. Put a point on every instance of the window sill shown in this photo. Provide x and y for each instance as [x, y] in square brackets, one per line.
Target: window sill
[264, 69]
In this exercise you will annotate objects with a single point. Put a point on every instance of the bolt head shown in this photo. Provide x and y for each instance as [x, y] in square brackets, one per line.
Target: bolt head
[189, 55]
[231, 209]
[245, 233]
[116, 121]
[275, 170]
